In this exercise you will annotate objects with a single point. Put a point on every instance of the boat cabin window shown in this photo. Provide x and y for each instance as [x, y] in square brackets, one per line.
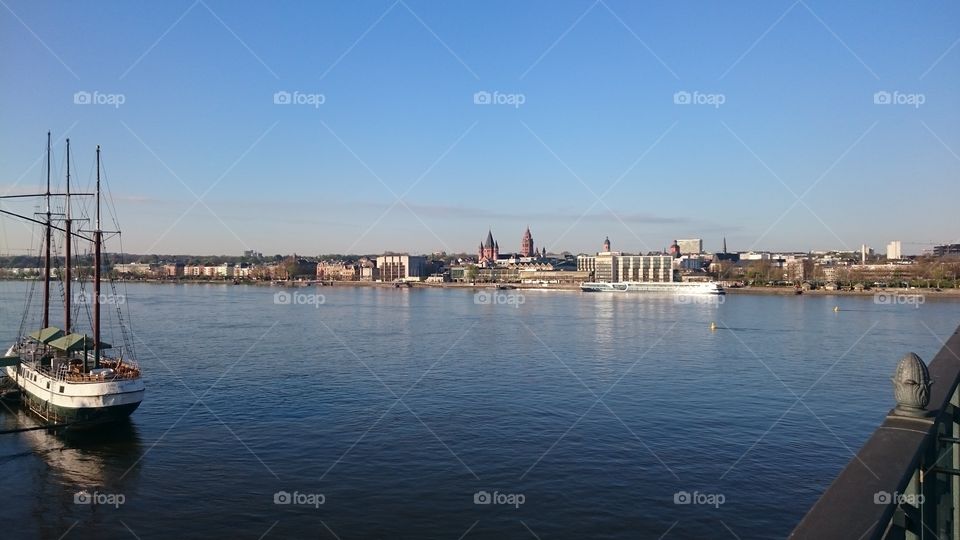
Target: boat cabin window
[61, 389]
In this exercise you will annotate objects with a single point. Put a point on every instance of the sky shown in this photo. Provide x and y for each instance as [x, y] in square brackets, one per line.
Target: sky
[408, 125]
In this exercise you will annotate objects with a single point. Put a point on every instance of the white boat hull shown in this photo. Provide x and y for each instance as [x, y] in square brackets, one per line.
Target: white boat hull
[63, 401]
[662, 287]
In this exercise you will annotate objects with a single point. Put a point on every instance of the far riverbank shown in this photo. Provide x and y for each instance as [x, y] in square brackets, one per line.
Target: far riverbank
[773, 290]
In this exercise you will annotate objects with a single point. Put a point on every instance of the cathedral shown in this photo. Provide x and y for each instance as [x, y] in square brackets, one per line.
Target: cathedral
[489, 249]
[526, 245]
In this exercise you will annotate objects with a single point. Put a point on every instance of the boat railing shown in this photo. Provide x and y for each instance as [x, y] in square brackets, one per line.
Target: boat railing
[904, 483]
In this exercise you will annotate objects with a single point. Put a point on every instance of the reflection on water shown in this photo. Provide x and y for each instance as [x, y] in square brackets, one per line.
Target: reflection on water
[494, 397]
[51, 466]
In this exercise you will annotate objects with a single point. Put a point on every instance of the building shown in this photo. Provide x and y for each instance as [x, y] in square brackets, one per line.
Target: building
[613, 266]
[173, 270]
[489, 249]
[136, 269]
[526, 245]
[690, 246]
[946, 250]
[337, 271]
[893, 250]
[402, 267]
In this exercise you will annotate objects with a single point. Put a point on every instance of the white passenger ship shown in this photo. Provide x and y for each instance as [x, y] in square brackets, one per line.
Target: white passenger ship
[663, 287]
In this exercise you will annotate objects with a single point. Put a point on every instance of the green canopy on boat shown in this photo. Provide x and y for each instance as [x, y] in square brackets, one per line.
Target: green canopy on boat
[75, 342]
[47, 334]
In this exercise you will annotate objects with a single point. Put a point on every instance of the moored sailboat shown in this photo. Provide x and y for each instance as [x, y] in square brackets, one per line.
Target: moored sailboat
[65, 376]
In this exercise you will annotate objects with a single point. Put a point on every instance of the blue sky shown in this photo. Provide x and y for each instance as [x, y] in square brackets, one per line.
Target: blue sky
[400, 157]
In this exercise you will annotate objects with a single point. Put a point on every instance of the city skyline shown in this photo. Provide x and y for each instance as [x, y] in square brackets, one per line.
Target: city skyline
[227, 128]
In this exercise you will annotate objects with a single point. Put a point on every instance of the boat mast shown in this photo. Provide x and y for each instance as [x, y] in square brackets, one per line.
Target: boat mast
[97, 241]
[46, 263]
[66, 289]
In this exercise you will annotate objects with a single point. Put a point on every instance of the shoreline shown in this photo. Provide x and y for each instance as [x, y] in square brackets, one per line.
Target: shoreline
[778, 290]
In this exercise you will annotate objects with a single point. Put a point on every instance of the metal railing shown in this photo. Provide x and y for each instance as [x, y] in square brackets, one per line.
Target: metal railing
[904, 483]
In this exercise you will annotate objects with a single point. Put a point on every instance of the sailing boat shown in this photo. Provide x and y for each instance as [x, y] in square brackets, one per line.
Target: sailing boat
[68, 378]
